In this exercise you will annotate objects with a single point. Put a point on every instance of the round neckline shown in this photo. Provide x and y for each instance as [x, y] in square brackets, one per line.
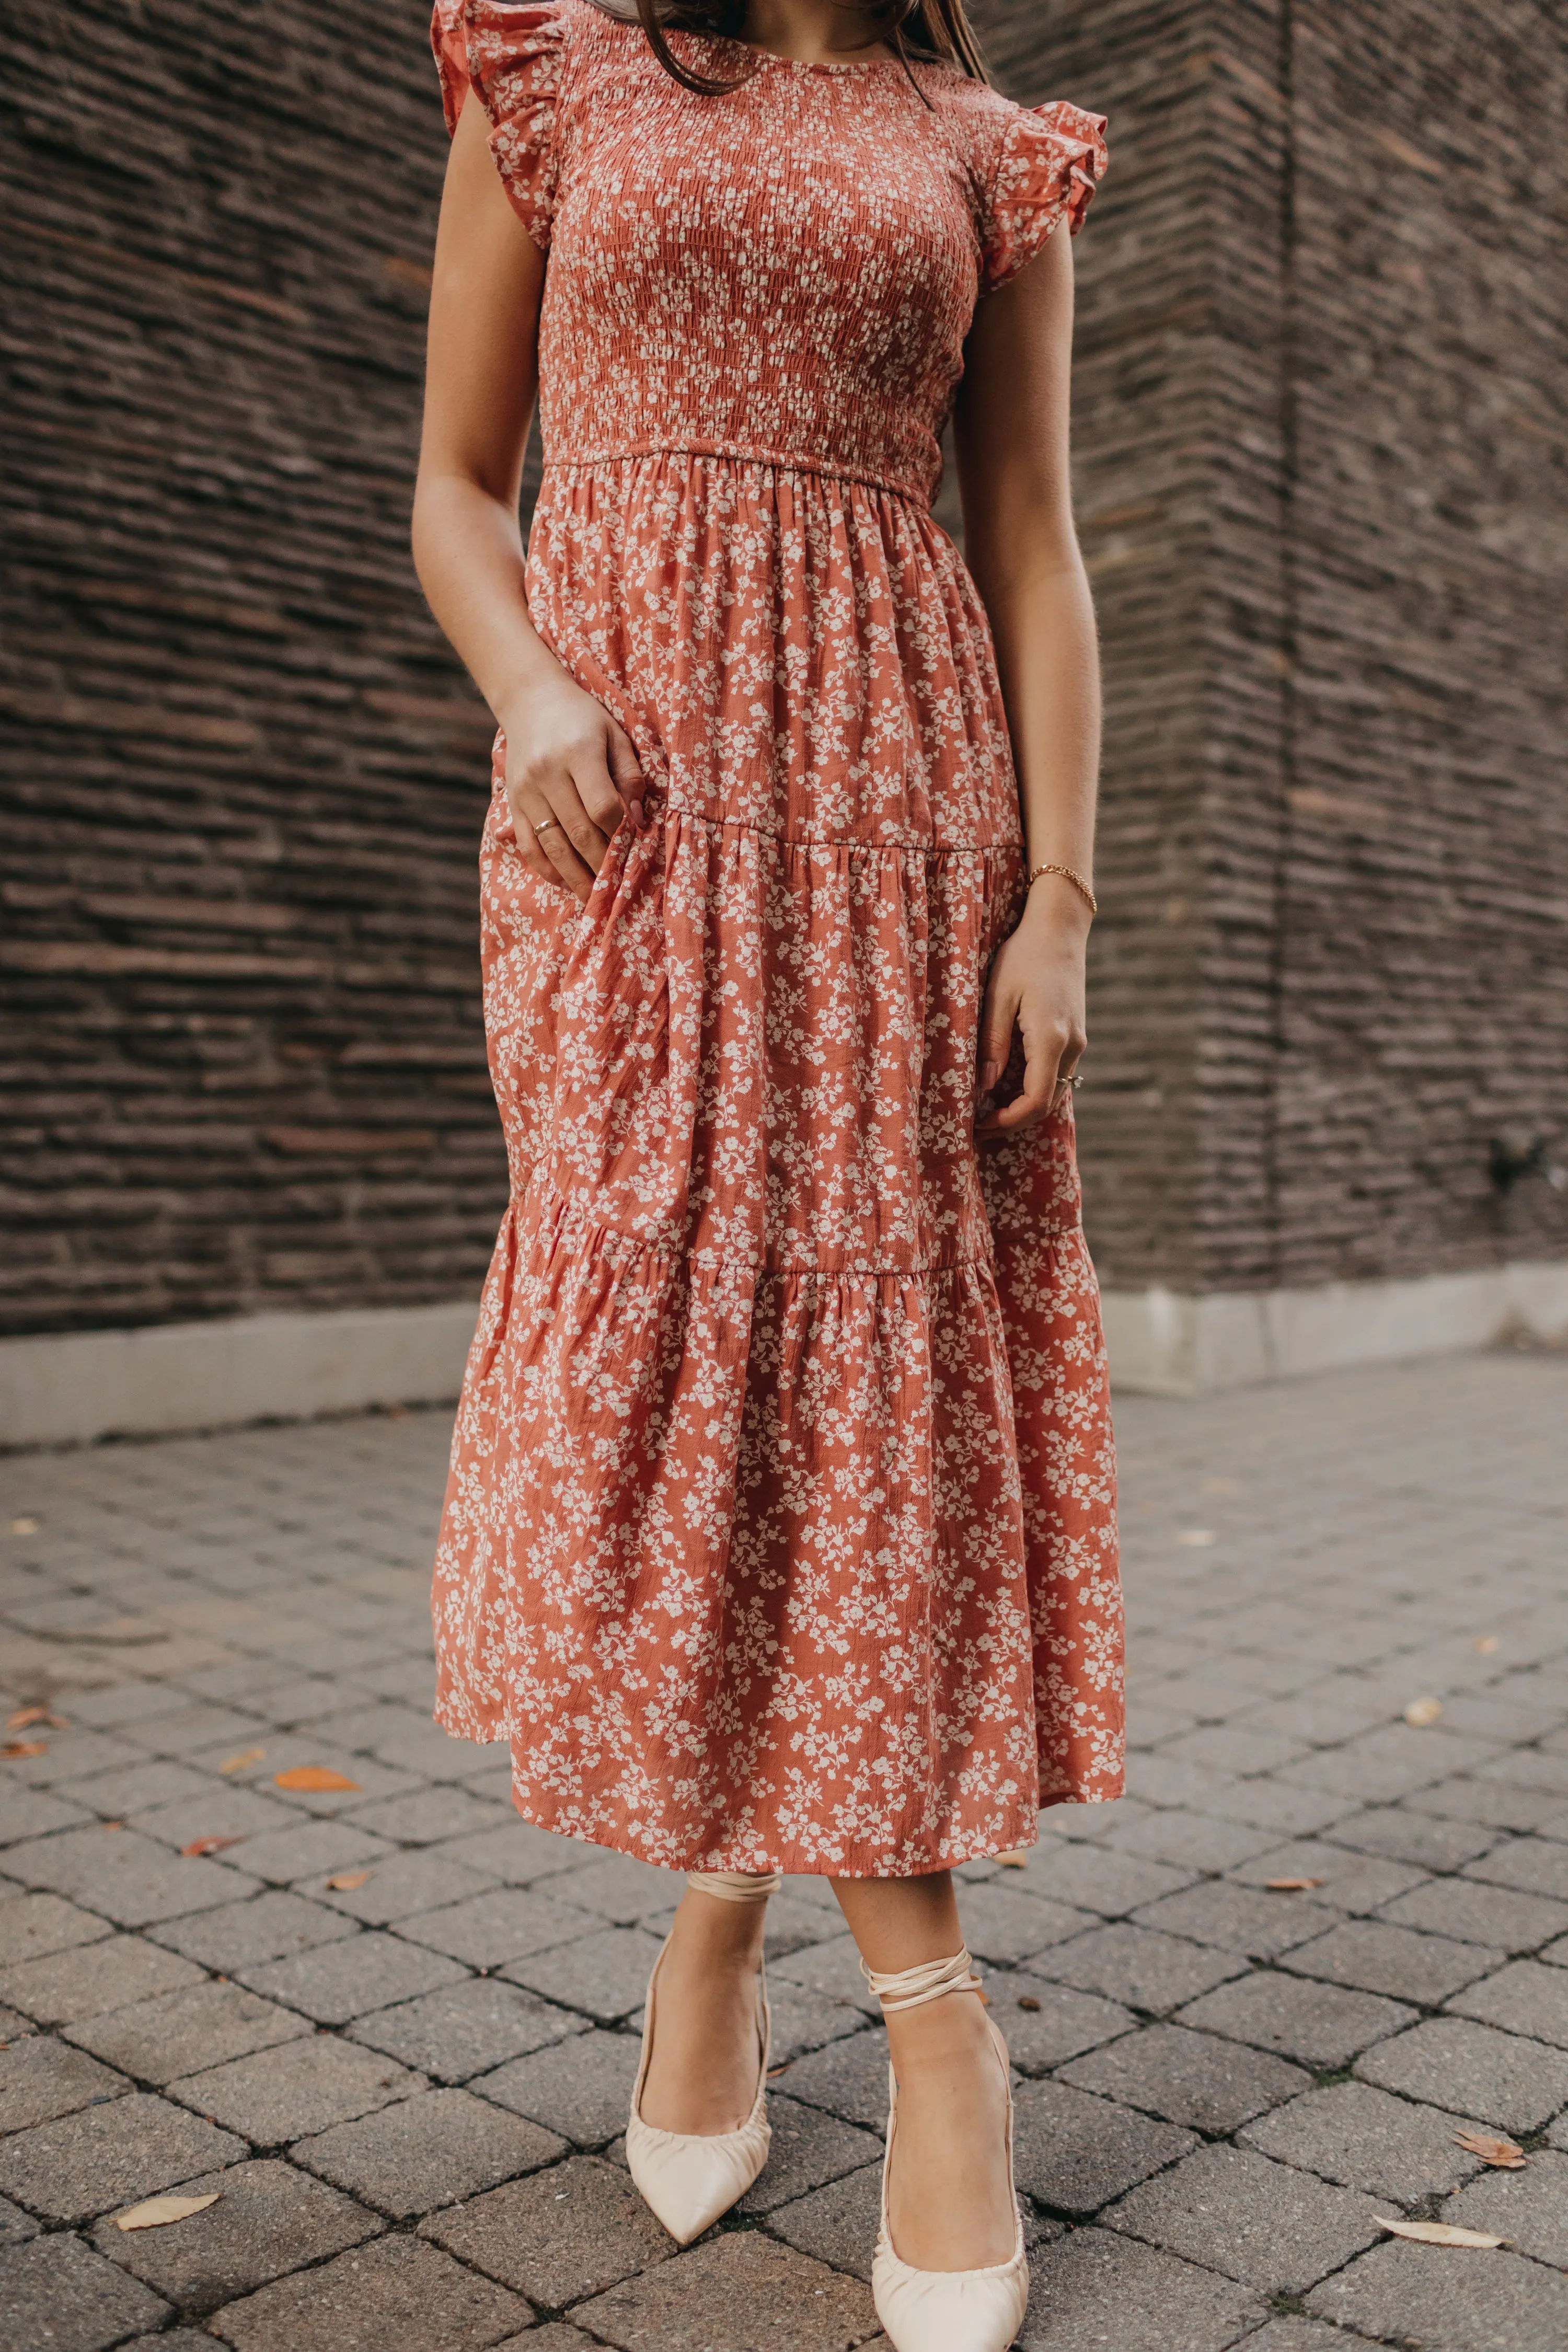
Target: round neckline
[815, 65]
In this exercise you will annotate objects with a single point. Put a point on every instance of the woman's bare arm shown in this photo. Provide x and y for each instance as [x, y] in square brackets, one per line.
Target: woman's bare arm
[566, 758]
[1019, 538]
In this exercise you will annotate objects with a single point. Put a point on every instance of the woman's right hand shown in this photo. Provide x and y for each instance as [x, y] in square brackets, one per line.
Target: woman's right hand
[571, 774]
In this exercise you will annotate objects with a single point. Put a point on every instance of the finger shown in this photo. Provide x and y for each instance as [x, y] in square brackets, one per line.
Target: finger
[1038, 1093]
[531, 856]
[1000, 1011]
[591, 808]
[625, 774]
[567, 864]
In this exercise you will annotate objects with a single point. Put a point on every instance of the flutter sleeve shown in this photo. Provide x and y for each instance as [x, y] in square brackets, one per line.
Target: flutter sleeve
[1052, 160]
[508, 53]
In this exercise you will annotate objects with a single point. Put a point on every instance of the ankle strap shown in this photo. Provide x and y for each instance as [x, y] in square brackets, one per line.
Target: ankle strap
[736, 1886]
[910, 1987]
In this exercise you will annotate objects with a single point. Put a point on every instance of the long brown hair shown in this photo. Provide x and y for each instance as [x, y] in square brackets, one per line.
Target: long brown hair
[930, 32]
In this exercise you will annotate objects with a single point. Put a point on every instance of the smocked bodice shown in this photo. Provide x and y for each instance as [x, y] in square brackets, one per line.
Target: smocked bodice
[787, 272]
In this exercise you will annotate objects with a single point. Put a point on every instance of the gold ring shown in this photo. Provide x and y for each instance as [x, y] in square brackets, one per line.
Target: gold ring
[546, 826]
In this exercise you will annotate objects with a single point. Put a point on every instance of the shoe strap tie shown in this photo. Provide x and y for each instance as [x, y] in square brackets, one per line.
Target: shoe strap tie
[911, 1988]
[736, 1886]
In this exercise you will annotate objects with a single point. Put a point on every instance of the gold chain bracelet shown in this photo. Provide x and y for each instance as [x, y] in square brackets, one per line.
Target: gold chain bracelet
[1068, 875]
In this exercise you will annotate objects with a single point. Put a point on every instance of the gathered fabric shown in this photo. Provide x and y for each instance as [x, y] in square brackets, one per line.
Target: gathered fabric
[780, 1531]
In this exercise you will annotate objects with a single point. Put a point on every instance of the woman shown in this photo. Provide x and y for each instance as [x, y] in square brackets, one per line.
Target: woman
[780, 1531]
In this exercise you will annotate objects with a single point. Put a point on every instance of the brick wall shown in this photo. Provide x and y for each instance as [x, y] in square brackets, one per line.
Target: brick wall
[1321, 452]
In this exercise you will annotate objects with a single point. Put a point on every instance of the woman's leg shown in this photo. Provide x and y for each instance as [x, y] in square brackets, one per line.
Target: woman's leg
[702, 2069]
[949, 2198]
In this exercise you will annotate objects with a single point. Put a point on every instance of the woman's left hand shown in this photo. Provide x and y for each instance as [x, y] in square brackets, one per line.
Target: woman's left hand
[1036, 986]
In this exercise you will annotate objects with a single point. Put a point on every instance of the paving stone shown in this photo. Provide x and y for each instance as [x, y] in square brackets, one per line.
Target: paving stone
[1006, 1923]
[850, 2078]
[1347, 1881]
[605, 1975]
[1500, 1917]
[620, 1888]
[298, 2088]
[1528, 2208]
[75, 1757]
[1378, 1957]
[1044, 2025]
[1400, 1836]
[1233, 1750]
[1093, 1879]
[830, 1970]
[1451, 2062]
[1213, 2085]
[335, 1982]
[269, 2218]
[33, 1925]
[34, 1813]
[181, 2032]
[1271, 1805]
[1095, 2289]
[109, 2155]
[1238, 1918]
[128, 1879]
[396, 2294]
[59, 2296]
[555, 2337]
[1386, 1764]
[431, 1816]
[220, 1810]
[504, 1924]
[1265, 2224]
[64, 1986]
[836, 2224]
[431, 2150]
[14, 2225]
[808, 2148]
[1319, 2024]
[465, 2029]
[580, 2087]
[1198, 1841]
[565, 2233]
[1297, 2334]
[1073, 2152]
[1536, 1866]
[1489, 1802]
[514, 1851]
[1138, 1966]
[41, 2078]
[182, 1731]
[743, 2290]
[1523, 1997]
[314, 1849]
[267, 1927]
[794, 1923]
[1496, 2302]
[1362, 2138]
[399, 1885]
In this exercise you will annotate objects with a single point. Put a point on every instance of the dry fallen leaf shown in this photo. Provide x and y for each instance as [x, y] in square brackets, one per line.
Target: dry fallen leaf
[1026, 2000]
[1493, 2150]
[238, 1763]
[15, 1749]
[347, 1880]
[1423, 1711]
[27, 1715]
[210, 1845]
[25, 1526]
[1485, 1643]
[1019, 1861]
[1439, 2233]
[317, 1777]
[1194, 1538]
[157, 2212]
[1290, 1886]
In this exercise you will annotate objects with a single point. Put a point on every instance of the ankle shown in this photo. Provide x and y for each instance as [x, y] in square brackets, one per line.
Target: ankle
[940, 2037]
[721, 1938]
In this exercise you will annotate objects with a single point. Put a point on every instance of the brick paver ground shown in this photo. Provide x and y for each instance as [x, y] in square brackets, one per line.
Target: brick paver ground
[394, 2028]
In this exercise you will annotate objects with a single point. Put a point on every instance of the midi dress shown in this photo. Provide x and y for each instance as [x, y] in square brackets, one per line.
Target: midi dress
[780, 1529]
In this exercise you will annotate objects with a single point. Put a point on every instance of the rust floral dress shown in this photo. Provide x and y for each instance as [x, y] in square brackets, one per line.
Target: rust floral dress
[781, 1523]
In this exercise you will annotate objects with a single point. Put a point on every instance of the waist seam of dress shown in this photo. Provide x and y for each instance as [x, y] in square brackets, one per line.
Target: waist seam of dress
[557, 1209]
[738, 452]
[924, 849]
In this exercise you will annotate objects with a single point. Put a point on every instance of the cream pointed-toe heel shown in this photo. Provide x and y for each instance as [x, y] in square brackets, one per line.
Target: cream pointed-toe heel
[689, 2179]
[944, 2311]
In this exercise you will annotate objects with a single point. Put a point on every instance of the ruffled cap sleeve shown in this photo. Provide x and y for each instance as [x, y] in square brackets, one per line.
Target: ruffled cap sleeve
[508, 53]
[1052, 159]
